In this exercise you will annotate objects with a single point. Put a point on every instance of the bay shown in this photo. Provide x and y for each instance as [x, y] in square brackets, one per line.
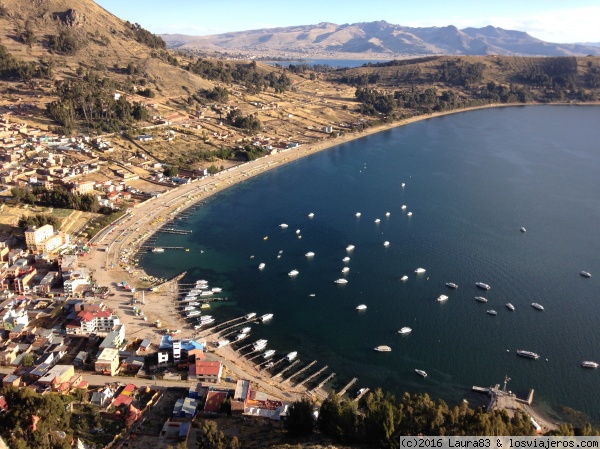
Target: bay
[472, 180]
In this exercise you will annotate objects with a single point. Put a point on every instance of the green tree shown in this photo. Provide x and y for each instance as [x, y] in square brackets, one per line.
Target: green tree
[27, 359]
[300, 420]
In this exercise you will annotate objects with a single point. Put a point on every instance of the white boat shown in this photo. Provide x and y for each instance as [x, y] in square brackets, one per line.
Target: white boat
[291, 356]
[360, 392]
[588, 364]
[206, 321]
[207, 293]
[158, 250]
[192, 313]
[188, 308]
[311, 215]
[240, 337]
[491, 312]
[403, 207]
[270, 365]
[481, 299]
[345, 270]
[216, 289]
[361, 307]
[403, 184]
[529, 354]
[420, 270]
[268, 353]
[482, 286]
[279, 256]
[350, 247]
[535, 305]
[404, 278]
[405, 330]
[341, 281]
[523, 230]
[194, 303]
[377, 220]
[297, 231]
[387, 214]
[586, 274]
[420, 372]
[510, 306]
[357, 214]
[386, 243]
[222, 343]
[245, 330]
[266, 317]
[346, 259]
[249, 316]
[261, 265]
[283, 225]
[205, 318]
[201, 282]
[293, 273]
[259, 344]
[310, 254]
[451, 285]
[382, 348]
[442, 298]
[409, 214]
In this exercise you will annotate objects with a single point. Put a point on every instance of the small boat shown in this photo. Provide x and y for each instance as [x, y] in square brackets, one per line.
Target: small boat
[312, 295]
[404, 278]
[420, 270]
[291, 356]
[345, 270]
[188, 308]
[240, 337]
[529, 354]
[451, 285]
[405, 330]
[201, 282]
[279, 256]
[361, 307]
[297, 231]
[346, 259]
[403, 207]
[245, 330]
[268, 353]
[357, 214]
[261, 266]
[310, 254]
[293, 273]
[311, 215]
[386, 243]
[270, 365]
[409, 214]
[205, 318]
[382, 348]
[403, 185]
[377, 220]
[266, 237]
[491, 312]
[158, 250]
[535, 305]
[205, 306]
[192, 313]
[481, 299]
[585, 274]
[207, 293]
[222, 343]
[350, 247]
[420, 372]
[341, 281]
[442, 298]
[482, 286]
[523, 230]
[510, 306]
[249, 316]
[387, 214]
[266, 317]
[283, 226]
[588, 364]
[216, 289]
[207, 321]
[360, 392]
[259, 344]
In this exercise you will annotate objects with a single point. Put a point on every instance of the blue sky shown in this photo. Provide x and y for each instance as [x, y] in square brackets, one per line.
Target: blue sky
[549, 20]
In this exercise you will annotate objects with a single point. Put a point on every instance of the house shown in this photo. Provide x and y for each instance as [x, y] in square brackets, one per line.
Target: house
[108, 362]
[102, 397]
[11, 380]
[214, 400]
[145, 346]
[57, 375]
[125, 397]
[206, 371]
[185, 408]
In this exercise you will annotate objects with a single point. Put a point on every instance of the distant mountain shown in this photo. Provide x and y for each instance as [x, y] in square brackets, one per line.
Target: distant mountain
[378, 39]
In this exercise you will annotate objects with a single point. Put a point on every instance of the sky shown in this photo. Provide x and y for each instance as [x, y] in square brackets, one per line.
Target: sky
[555, 21]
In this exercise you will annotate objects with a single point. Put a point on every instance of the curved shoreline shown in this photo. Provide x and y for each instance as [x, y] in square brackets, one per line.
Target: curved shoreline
[145, 215]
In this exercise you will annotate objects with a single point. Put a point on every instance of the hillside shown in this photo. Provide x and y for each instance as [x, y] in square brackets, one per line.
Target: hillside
[377, 39]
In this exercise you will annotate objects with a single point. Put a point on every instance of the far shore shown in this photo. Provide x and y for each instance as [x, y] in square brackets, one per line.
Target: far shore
[144, 221]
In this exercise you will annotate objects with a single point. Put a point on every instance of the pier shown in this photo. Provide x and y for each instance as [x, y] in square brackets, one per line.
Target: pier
[297, 373]
[361, 394]
[342, 392]
[312, 376]
[163, 247]
[175, 231]
[318, 387]
[280, 373]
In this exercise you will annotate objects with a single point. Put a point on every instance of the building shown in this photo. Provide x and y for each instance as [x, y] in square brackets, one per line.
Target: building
[93, 322]
[108, 362]
[114, 339]
[34, 235]
[207, 371]
[57, 375]
[10, 318]
[47, 282]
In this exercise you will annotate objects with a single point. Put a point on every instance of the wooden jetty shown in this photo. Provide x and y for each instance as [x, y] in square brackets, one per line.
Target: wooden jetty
[287, 368]
[175, 231]
[342, 392]
[318, 387]
[312, 376]
[163, 247]
[297, 373]
[361, 394]
[274, 364]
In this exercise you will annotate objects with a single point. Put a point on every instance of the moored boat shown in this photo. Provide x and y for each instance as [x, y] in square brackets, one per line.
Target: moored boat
[523, 230]
[442, 298]
[350, 247]
[310, 254]
[361, 307]
[346, 259]
[404, 278]
[250, 315]
[266, 317]
[481, 299]
[268, 353]
[291, 356]
[382, 348]
[482, 285]
[259, 344]
[293, 273]
[341, 281]
[586, 274]
[451, 285]
[345, 270]
[510, 306]
[491, 312]
[420, 270]
[535, 305]
[386, 243]
[405, 330]
[240, 337]
[420, 372]
[409, 214]
[528, 354]
[245, 330]
[377, 220]
[357, 214]
[311, 215]
[588, 364]
[283, 225]
[403, 207]
[158, 250]
[261, 265]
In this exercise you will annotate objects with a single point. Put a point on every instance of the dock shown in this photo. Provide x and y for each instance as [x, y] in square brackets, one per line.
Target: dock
[312, 376]
[318, 387]
[361, 394]
[342, 392]
[297, 373]
[175, 231]
[163, 247]
[286, 369]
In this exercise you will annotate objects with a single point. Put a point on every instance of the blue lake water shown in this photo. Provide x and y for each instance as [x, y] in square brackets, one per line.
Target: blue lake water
[472, 180]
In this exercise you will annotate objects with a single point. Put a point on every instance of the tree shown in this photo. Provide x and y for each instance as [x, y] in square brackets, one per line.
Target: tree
[27, 359]
[171, 171]
[300, 420]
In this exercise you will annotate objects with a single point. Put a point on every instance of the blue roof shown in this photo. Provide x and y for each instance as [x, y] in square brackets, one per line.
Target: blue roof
[166, 342]
[188, 345]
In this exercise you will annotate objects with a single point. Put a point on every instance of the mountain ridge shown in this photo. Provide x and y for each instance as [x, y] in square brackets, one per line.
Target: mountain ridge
[378, 38]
